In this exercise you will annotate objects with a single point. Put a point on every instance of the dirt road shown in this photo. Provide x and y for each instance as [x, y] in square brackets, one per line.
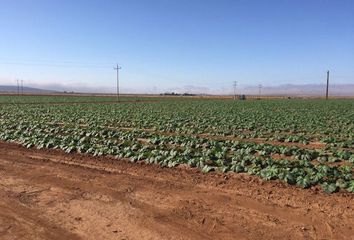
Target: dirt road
[50, 195]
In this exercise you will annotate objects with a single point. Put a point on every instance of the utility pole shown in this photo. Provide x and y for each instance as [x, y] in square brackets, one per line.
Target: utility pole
[117, 69]
[18, 88]
[327, 85]
[235, 84]
[22, 87]
[259, 91]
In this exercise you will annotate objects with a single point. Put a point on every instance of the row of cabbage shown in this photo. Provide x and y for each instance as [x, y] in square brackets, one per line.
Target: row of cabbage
[25, 99]
[302, 121]
[330, 168]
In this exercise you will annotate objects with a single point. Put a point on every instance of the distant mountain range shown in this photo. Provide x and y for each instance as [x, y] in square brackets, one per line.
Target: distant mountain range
[302, 90]
[275, 90]
[14, 89]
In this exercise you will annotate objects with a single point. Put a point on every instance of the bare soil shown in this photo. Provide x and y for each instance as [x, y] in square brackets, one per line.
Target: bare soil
[46, 194]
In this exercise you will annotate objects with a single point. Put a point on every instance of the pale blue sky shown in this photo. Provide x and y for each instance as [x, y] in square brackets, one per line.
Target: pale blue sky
[169, 44]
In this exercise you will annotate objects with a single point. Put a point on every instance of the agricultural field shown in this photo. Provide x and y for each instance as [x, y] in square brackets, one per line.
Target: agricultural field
[272, 160]
[62, 99]
[301, 142]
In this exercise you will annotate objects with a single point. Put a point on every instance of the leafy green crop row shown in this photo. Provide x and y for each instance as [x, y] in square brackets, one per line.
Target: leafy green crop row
[118, 130]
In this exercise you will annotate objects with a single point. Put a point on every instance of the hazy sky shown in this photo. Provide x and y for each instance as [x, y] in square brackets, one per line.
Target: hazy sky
[173, 44]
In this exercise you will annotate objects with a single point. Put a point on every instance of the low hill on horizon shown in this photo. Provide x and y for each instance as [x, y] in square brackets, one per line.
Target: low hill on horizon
[302, 90]
[14, 89]
[314, 90]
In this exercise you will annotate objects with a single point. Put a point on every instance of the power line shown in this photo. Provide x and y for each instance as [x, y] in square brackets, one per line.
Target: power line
[53, 64]
[117, 68]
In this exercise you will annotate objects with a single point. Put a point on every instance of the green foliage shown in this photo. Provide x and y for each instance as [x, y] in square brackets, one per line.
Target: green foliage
[329, 187]
[263, 138]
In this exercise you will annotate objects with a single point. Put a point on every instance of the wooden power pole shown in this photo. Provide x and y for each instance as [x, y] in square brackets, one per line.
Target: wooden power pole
[117, 69]
[327, 85]
[235, 84]
[18, 88]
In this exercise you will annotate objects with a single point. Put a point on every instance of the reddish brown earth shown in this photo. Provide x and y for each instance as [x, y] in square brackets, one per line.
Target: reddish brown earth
[46, 194]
